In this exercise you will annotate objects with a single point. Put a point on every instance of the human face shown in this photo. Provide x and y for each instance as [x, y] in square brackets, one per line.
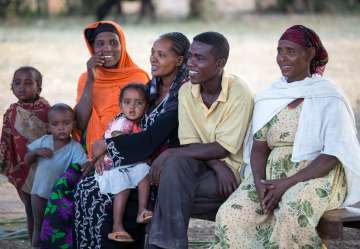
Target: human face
[293, 60]
[133, 105]
[61, 124]
[25, 87]
[108, 45]
[163, 59]
[202, 63]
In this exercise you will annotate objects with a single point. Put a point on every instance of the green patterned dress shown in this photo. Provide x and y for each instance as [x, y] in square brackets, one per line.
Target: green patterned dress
[240, 222]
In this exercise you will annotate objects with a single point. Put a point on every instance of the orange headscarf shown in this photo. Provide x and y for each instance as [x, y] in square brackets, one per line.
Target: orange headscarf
[107, 85]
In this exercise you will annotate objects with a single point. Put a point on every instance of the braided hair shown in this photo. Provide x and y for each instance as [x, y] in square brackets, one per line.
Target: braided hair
[180, 43]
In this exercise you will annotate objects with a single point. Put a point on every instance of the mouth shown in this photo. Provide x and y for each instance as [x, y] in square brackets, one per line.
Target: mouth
[285, 68]
[193, 73]
[154, 68]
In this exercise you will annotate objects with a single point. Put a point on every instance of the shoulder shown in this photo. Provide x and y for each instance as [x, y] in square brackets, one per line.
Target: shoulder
[10, 109]
[76, 146]
[238, 88]
[185, 89]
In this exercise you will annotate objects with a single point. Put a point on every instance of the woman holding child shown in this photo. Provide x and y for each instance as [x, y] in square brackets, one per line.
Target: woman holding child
[158, 128]
[303, 152]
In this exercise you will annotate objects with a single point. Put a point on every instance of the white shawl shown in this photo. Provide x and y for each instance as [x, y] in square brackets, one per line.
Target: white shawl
[326, 125]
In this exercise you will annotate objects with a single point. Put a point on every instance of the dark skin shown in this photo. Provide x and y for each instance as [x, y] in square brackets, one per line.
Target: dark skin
[106, 53]
[205, 69]
[294, 62]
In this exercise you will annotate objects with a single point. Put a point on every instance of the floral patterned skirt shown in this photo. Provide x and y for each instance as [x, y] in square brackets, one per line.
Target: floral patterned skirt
[57, 227]
[241, 223]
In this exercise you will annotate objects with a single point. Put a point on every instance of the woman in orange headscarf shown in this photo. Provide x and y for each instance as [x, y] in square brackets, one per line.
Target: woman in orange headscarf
[108, 70]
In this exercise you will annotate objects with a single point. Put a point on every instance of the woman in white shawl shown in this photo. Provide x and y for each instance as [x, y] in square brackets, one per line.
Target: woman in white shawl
[303, 152]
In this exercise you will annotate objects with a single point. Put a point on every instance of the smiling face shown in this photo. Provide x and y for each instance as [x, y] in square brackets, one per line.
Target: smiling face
[294, 60]
[25, 87]
[61, 123]
[163, 59]
[108, 45]
[133, 104]
[202, 63]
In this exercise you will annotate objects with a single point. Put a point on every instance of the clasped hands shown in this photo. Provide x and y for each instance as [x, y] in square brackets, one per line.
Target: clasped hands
[270, 192]
[98, 153]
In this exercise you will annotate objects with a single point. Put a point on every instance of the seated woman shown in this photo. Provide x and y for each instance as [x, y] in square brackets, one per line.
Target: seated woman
[304, 155]
[93, 210]
[109, 69]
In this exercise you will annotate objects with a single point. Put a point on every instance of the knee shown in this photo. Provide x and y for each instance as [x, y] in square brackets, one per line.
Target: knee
[175, 165]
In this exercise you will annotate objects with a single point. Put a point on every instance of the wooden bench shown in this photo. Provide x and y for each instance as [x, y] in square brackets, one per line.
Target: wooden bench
[331, 225]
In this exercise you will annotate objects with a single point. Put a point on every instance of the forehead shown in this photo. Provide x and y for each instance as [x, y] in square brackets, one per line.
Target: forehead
[200, 48]
[106, 36]
[133, 93]
[60, 114]
[163, 44]
[28, 74]
[289, 44]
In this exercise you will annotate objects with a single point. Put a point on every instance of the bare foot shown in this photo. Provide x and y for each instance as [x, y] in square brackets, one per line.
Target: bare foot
[144, 216]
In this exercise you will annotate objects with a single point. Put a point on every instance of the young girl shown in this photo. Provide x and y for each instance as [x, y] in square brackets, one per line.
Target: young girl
[24, 121]
[53, 154]
[119, 179]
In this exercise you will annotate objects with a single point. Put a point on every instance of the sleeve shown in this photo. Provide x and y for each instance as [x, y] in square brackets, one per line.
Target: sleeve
[79, 156]
[137, 147]
[38, 143]
[261, 134]
[232, 129]
[187, 131]
[5, 142]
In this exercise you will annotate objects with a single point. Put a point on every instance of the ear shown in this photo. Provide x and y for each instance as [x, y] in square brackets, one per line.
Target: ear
[180, 61]
[311, 53]
[220, 63]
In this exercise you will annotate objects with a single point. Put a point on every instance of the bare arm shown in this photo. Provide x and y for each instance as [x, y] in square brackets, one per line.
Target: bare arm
[319, 167]
[33, 155]
[84, 107]
[259, 154]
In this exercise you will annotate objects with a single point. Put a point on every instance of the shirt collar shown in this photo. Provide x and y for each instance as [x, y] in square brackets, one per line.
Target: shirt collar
[195, 89]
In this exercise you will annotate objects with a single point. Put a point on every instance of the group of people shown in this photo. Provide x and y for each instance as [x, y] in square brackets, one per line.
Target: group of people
[192, 140]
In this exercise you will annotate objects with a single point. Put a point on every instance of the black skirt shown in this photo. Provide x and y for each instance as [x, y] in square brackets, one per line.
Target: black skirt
[93, 218]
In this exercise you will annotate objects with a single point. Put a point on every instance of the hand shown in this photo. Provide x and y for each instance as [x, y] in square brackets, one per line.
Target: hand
[98, 148]
[100, 165]
[274, 191]
[97, 60]
[158, 165]
[44, 152]
[262, 190]
[225, 177]
[87, 167]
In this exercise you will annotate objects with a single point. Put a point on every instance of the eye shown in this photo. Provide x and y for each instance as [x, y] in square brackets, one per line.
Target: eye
[126, 102]
[139, 103]
[99, 43]
[114, 43]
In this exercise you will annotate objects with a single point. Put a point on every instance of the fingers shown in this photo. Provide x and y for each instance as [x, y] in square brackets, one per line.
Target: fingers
[268, 184]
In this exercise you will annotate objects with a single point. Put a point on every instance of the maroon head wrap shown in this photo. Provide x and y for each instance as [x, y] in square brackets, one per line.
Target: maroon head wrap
[307, 38]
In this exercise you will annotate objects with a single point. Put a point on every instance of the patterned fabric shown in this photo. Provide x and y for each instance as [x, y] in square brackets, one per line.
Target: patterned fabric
[241, 223]
[22, 124]
[56, 231]
[307, 38]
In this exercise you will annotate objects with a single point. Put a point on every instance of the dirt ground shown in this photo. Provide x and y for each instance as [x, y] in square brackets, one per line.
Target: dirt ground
[56, 47]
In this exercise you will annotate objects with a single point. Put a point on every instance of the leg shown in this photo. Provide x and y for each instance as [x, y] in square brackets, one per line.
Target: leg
[103, 9]
[26, 199]
[38, 205]
[144, 192]
[119, 205]
[176, 195]
[240, 222]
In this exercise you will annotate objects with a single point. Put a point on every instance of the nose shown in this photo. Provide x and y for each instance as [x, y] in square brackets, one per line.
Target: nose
[153, 58]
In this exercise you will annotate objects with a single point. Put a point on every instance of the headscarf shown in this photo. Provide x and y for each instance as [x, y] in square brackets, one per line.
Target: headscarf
[107, 84]
[307, 38]
[23, 123]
